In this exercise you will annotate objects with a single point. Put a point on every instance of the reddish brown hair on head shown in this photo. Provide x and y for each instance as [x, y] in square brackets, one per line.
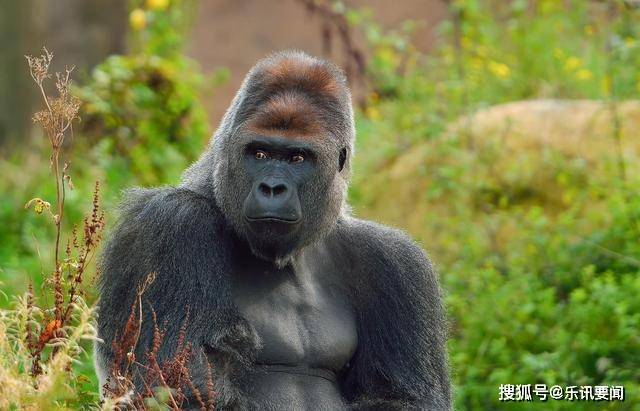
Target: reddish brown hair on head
[288, 114]
[304, 73]
[295, 92]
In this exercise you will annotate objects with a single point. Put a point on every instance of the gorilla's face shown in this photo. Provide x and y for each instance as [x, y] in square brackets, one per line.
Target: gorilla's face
[286, 192]
[278, 170]
[281, 161]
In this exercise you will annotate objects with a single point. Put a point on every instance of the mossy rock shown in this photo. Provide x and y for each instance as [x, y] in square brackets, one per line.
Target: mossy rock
[494, 166]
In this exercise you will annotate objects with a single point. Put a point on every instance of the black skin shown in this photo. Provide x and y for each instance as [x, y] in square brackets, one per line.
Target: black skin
[294, 303]
[276, 166]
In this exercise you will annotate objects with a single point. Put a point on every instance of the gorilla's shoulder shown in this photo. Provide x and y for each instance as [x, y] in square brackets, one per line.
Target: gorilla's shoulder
[385, 256]
[165, 209]
[157, 224]
[375, 240]
[169, 231]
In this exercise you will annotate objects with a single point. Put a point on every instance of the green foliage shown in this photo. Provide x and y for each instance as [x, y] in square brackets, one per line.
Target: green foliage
[536, 243]
[142, 123]
[547, 311]
[145, 111]
[574, 49]
[56, 388]
[160, 26]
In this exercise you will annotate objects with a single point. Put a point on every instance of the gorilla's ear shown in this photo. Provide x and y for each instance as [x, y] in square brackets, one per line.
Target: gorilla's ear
[342, 159]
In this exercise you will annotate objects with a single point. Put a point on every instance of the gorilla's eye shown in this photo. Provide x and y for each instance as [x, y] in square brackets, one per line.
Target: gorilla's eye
[260, 155]
[297, 158]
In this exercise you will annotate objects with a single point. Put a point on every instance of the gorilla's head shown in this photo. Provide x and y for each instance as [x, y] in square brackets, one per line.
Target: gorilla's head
[278, 166]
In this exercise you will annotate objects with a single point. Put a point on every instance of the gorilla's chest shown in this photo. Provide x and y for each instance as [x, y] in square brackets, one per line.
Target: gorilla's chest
[299, 313]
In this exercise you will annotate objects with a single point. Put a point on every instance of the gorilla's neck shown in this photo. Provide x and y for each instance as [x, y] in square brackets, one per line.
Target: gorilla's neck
[274, 254]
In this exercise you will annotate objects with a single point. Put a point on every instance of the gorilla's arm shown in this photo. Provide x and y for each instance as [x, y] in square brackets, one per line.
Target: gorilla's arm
[401, 359]
[178, 236]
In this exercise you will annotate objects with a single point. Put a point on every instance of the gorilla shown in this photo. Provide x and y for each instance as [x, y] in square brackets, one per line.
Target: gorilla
[295, 303]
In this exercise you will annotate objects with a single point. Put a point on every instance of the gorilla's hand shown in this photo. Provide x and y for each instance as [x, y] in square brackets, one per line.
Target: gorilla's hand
[237, 342]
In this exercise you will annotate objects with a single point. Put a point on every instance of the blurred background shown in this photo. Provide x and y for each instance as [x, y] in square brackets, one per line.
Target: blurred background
[502, 134]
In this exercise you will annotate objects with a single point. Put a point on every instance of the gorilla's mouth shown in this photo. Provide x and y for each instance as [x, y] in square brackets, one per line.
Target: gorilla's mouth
[274, 219]
[272, 237]
[272, 227]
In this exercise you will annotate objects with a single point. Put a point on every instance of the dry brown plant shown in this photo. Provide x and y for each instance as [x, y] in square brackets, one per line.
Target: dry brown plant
[168, 381]
[56, 120]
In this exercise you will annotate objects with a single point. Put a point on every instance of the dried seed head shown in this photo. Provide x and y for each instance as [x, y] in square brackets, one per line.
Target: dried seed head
[39, 66]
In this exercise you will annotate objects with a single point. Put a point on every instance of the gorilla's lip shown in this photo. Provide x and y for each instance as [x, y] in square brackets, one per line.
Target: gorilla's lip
[273, 219]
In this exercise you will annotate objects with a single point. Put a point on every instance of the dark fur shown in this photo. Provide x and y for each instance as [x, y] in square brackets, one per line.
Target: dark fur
[186, 236]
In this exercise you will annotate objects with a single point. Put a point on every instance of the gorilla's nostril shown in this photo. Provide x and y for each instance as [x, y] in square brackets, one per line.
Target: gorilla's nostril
[279, 189]
[265, 189]
[272, 190]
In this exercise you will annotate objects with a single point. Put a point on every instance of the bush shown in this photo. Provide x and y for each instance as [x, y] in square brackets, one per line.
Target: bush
[143, 109]
[142, 124]
[535, 235]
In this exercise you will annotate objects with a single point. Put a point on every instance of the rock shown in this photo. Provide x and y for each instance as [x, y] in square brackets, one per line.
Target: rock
[575, 128]
[494, 166]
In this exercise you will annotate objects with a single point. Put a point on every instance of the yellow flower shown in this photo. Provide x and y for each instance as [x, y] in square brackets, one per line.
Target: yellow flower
[448, 54]
[588, 30]
[562, 179]
[157, 4]
[138, 19]
[373, 113]
[572, 63]
[39, 205]
[629, 41]
[548, 6]
[388, 54]
[500, 70]
[584, 74]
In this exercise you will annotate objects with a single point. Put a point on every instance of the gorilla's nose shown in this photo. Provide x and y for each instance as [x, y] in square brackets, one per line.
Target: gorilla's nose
[273, 189]
[273, 199]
